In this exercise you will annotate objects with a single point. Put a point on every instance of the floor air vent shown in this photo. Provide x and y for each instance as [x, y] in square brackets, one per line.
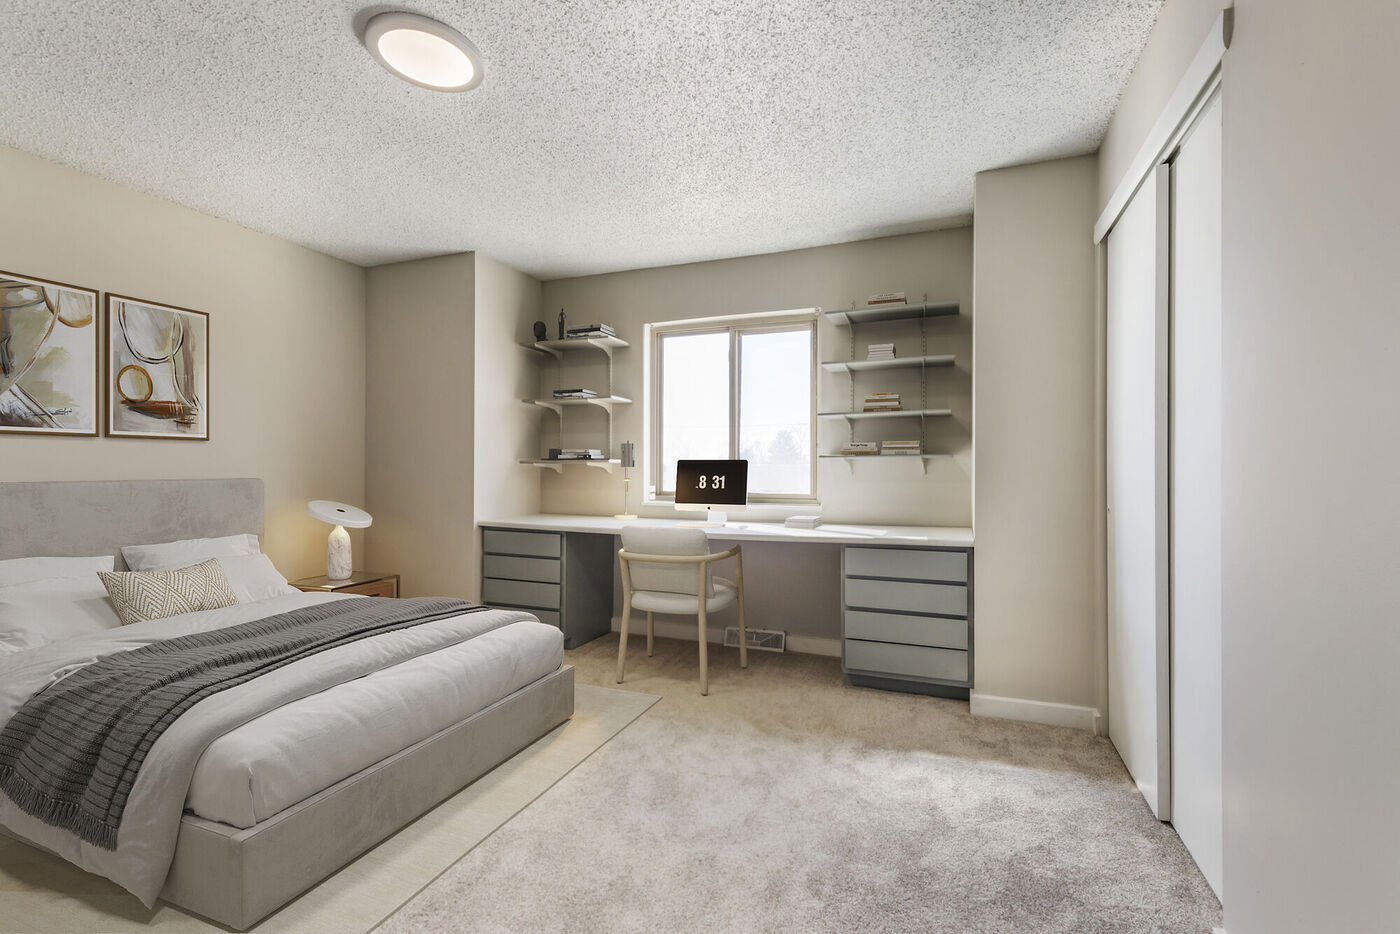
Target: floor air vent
[769, 640]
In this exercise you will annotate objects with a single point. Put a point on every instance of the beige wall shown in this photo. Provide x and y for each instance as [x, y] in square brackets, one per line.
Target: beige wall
[1180, 29]
[419, 413]
[1311, 401]
[1035, 379]
[287, 348]
[507, 303]
[938, 264]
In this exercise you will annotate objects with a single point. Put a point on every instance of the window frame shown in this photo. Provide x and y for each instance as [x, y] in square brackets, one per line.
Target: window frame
[736, 326]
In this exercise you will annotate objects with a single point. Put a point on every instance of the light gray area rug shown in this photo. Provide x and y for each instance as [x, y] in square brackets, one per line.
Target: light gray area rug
[42, 893]
[788, 802]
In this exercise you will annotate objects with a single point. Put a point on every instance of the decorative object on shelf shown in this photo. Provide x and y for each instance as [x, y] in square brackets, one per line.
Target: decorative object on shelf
[561, 324]
[886, 298]
[158, 370]
[48, 357]
[628, 458]
[541, 331]
[339, 566]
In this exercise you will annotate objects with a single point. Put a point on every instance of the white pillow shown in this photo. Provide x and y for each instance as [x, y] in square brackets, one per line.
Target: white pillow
[43, 611]
[171, 556]
[253, 577]
[24, 570]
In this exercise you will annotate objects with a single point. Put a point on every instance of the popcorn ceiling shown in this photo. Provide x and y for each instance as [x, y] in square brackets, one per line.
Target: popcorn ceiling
[607, 134]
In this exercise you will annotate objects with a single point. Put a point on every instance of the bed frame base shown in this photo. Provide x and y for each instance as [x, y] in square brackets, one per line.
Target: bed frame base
[238, 876]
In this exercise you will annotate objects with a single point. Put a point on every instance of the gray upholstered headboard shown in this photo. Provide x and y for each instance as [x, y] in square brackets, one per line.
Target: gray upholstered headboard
[65, 519]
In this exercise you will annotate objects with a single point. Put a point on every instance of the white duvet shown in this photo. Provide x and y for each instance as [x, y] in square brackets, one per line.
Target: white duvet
[330, 715]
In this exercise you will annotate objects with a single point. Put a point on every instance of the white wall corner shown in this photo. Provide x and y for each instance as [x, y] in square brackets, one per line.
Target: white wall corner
[1016, 708]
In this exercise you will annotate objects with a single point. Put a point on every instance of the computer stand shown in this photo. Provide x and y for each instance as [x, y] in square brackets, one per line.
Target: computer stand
[714, 519]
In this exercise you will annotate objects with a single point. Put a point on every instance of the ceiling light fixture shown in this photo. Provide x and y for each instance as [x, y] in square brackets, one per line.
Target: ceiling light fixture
[423, 51]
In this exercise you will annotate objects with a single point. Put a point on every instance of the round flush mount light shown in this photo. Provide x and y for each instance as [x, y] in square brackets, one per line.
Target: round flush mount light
[423, 51]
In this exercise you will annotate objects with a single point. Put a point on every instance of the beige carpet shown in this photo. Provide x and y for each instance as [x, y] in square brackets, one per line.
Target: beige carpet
[787, 801]
[41, 893]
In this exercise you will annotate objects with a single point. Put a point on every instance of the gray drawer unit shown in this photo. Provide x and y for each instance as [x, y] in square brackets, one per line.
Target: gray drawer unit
[565, 580]
[906, 596]
[915, 661]
[511, 568]
[510, 542]
[908, 630]
[520, 593]
[907, 618]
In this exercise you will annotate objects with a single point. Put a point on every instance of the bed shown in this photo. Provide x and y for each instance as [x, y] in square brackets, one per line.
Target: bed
[230, 819]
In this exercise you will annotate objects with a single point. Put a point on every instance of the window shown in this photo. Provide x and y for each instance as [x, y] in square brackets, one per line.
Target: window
[737, 390]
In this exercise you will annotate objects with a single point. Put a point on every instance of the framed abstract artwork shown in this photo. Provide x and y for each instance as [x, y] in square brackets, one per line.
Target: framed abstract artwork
[157, 370]
[48, 357]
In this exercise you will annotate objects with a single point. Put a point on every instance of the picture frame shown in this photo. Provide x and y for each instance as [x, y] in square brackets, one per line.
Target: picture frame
[49, 357]
[157, 370]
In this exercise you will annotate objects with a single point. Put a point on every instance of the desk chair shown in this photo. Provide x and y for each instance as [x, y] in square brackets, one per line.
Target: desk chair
[666, 570]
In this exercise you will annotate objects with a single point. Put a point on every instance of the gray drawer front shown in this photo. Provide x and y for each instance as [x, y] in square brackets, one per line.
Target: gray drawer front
[505, 542]
[520, 569]
[913, 661]
[545, 616]
[911, 630]
[907, 563]
[520, 593]
[948, 599]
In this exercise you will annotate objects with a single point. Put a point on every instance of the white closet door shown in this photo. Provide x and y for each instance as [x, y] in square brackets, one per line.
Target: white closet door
[1139, 700]
[1195, 495]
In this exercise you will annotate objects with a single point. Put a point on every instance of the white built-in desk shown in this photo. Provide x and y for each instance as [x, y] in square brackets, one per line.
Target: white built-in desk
[906, 591]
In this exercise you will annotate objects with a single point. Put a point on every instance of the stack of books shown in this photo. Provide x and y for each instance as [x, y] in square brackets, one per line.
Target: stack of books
[575, 454]
[879, 352]
[590, 330]
[802, 522]
[886, 298]
[901, 447]
[860, 448]
[882, 402]
[574, 394]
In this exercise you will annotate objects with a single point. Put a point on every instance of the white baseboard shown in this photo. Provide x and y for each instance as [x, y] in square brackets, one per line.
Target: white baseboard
[1015, 708]
[690, 632]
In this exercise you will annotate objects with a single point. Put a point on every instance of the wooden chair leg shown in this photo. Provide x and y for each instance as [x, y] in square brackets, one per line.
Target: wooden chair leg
[743, 633]
[651, 633]
[704, 650]
[622, 642]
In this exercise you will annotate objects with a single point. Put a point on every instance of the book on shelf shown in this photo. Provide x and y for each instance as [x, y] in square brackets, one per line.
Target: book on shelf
[879, 352]
[883, 407]
[590, 330]
[901, 447]
[575, 454]
[886, 298]
[574, 394]
[871, 396]
[860, 448]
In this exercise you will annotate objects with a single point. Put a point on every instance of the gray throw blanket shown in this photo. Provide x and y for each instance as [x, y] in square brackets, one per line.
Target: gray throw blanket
[69, 756]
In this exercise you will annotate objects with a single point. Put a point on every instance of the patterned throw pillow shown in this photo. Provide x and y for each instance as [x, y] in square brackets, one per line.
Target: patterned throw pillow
[143, 595]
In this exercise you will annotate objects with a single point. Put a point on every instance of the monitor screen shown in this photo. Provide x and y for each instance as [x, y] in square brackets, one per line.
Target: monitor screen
[712, 483]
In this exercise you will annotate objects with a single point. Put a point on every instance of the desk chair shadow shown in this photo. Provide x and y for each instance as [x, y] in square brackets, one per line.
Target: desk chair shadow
[667, 570]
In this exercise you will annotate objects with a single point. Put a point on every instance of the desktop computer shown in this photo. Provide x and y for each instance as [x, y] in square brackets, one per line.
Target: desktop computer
[703, 485]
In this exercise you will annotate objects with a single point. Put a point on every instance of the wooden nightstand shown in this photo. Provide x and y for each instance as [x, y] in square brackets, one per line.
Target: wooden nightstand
[365, 583]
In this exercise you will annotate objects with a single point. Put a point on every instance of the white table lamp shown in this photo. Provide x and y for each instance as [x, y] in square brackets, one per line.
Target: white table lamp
[338, 563]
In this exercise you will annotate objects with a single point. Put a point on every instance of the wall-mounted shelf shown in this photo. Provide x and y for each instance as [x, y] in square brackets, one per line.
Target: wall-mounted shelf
[860, 366]
[901, 413]
[603, 402]
[558, 348]
[850, 459]
[559, 465]
[892, 313]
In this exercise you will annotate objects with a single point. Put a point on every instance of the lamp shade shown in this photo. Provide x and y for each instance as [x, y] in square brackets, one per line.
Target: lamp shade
[339, 513]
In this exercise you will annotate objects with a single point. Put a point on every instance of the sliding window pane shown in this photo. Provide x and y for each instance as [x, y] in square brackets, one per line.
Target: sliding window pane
[694, 400]
[775, 410]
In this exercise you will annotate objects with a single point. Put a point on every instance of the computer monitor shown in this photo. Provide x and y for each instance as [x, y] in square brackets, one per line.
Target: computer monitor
[703, 485]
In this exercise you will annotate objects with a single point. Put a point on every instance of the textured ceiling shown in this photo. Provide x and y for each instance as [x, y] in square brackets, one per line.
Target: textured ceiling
[607, 134]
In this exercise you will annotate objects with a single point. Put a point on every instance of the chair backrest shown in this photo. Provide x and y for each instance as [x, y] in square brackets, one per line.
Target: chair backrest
[667, 578]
